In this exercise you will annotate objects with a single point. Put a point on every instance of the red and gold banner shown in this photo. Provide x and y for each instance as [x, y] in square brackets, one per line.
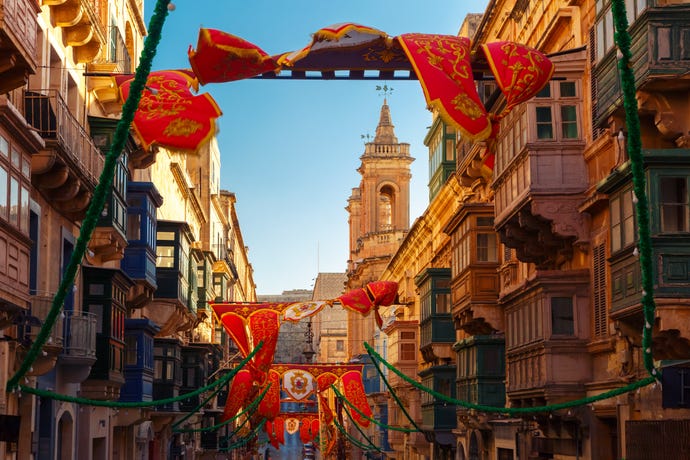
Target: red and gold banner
[222, 57]
[240, 389]
[520, 71]
[264, 326]
[353, 390]
[298, 384]
[269, 407]
[325, 380]
[169, 114]
[442, 64]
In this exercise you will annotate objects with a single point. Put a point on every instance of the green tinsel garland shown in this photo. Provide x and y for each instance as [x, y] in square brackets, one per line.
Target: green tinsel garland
[102, 188]
[372, 446]
[249, 409]
[356, 442]
[634, 148]
[372, 420]
[512, 410]
[254, 433]
[395, 397]
[135, 404]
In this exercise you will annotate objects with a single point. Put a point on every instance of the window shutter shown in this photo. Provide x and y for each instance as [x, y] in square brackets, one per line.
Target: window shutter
[599, 284]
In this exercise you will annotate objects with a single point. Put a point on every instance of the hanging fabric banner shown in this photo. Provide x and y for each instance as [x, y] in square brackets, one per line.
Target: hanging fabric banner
[269, 407]
[240, 389]
[442, 64]
[520, 71]
[222, 57]
[353, 390]
[169, 114]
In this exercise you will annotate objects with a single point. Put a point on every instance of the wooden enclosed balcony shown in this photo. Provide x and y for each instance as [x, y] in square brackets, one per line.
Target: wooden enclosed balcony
[82, 26]
[660, 59]
[18, 30]
[536, 204]
[67, 170]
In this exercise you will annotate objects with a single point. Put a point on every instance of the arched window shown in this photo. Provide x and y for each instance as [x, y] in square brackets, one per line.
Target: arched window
[386, 202]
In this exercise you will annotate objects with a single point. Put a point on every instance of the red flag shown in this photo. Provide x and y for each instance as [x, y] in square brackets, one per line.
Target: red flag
[269, 407]
[240, 388]
[353, 390]
[169, 114]
[442, 64]
[520, 71]
[222, 57]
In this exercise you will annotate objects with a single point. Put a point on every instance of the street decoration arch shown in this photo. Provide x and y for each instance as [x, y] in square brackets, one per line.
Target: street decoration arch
[253, 62]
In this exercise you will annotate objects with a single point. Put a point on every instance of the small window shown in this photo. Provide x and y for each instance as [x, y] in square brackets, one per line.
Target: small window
[562, 320]
[674, 204]
[339, 345]
[568, 89]
[486, 247]
[408, 352]
[130, 350]
[569, 122]
[165, 256]
[544, 123]
[134, 227]
[545, 92]
[442, 303]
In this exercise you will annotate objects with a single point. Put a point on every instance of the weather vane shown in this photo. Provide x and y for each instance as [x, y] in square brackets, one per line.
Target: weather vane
[384, 90]
[366, 136]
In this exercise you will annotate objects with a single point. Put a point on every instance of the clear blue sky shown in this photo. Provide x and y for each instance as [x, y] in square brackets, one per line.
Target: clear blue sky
[290, 149]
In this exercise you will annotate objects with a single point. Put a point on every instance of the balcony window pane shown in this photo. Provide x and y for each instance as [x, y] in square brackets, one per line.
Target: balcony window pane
[158, 369]
[562, 321]
[24, 209]
[166, 236]
[568, 89]
[569, 122]
[134, 227]
[4, 198]
[442, 303]
[628, 219]
[674, 204]
[165, 256]
[14, 201]
[544, 123]
[486, 247]
[545, 91]
[130, 350]
[4, 147]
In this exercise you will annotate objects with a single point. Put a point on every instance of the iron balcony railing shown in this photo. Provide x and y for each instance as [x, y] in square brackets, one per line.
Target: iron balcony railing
[48, 113]
[80, 335]
[40, 307]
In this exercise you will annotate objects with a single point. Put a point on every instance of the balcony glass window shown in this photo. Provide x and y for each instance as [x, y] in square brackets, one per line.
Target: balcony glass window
[604, 26]
[3, 192]
[673, 203]
[165, 256]
[134, 227]
[131, 350]
[487, 247]
[544, 123]
[623, 232]
[569, 122]
[562, 319]
[14, 201]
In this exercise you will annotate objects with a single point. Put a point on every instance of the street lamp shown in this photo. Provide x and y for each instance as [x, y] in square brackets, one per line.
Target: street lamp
[309, 349]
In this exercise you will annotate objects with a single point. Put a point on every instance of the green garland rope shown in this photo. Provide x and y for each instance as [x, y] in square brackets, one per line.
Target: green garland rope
[372, 420]
[242, 442]
[634, 148]
[371, 446]
[512, 410]
[395, 397]
[249, 409]
[356, 442]
[136, 404]
[105, 181]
